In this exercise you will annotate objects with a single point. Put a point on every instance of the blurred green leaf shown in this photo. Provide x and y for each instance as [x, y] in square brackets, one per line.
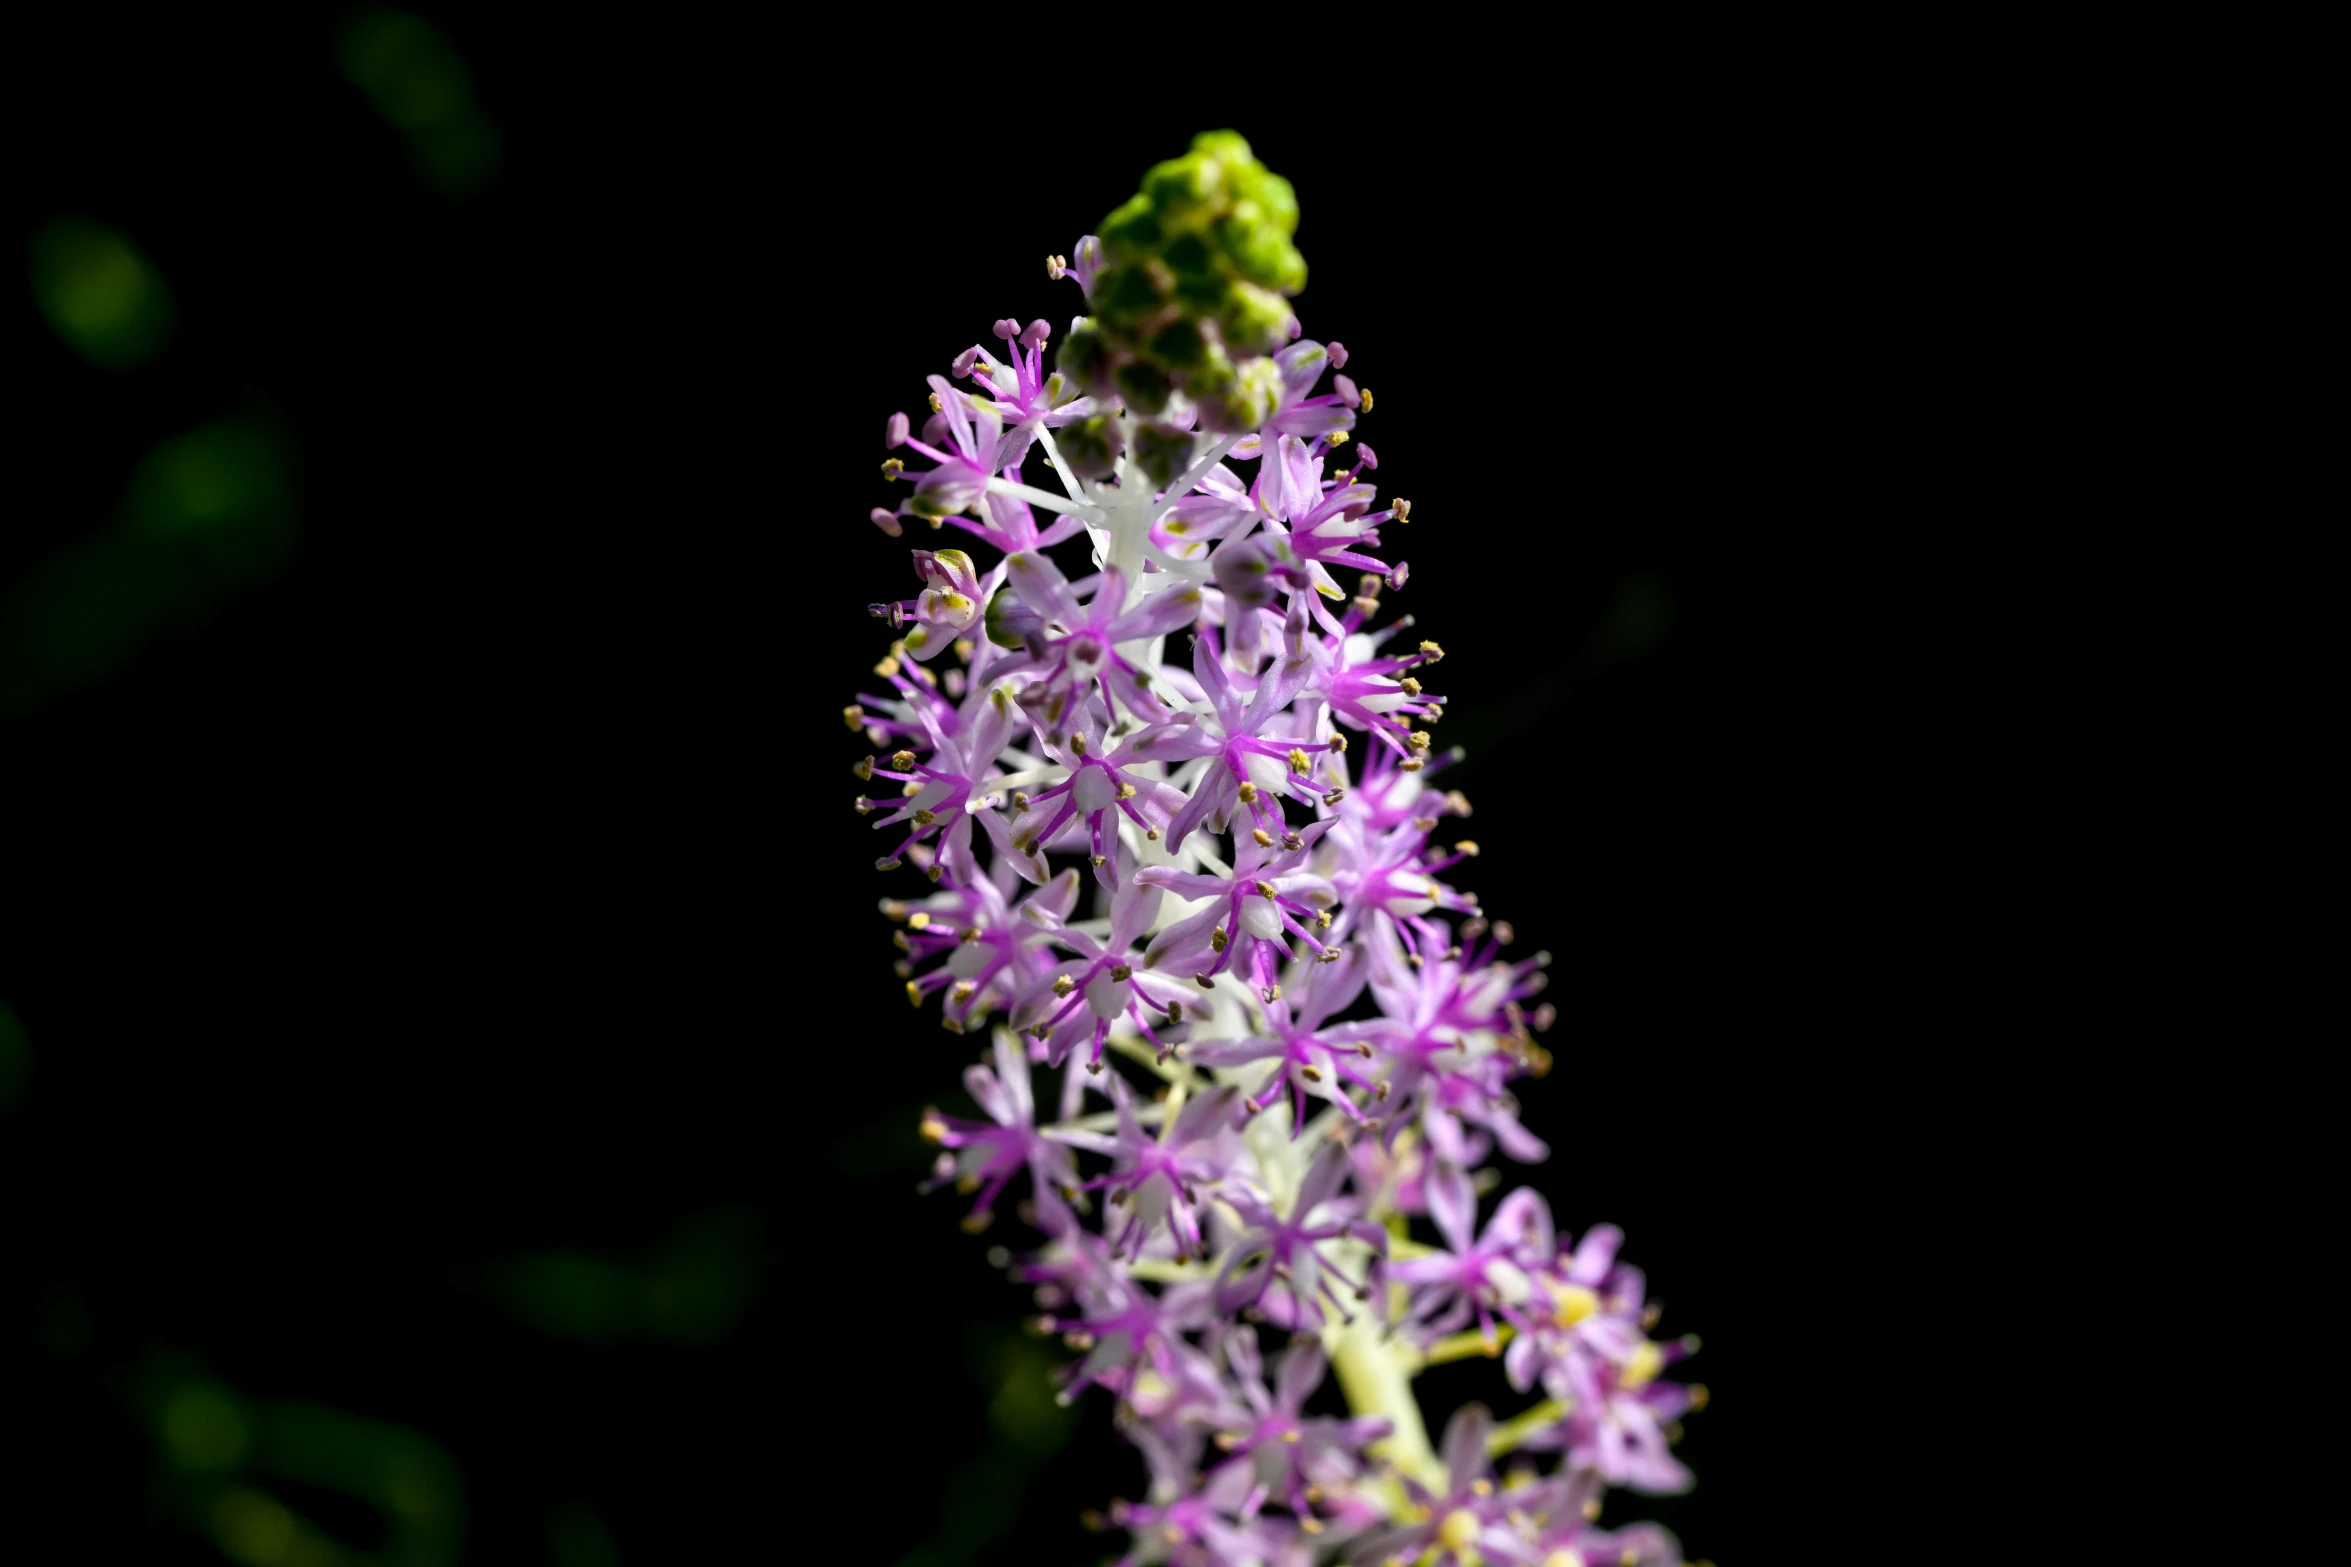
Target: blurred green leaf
[229, 1455]
[99, 293]
[576, 1537]
[413, 74]
[206, 514]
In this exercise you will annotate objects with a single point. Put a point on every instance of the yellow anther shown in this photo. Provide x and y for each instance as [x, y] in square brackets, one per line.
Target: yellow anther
[1248, 793]
[854, 717]
[1411, 686]
[1403, 510]
[1564, 1557]
[1419, 739]
[963, 990]
[1467, 846]
[863, 769]
[933, 1129]
[1064, 985]
[913, 993]
[1338, 439]
[1698, 1397]
[1647, 1360]
[935, 405]
[1292, 1436]
[909, 789]
[1299, 761]
[1217, 939]
[1366, 398]
[918, 921]
[1265, 889]
[1055, 266]
[886, 668]
[1077, 743]
[1126, 791]
[893, 468]
[1264, 838]
[1121, 972]
[1459, 1531]
[925, 818]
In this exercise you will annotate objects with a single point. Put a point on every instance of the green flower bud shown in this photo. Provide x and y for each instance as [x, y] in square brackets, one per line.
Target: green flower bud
[1126, 297]
[1000, 631]
[1241, 401]
[1189, 257]
[1143, 388]
[1260, 252]
[1186, 192]
[1131, 232]
[1253, 320]
[1225, 147]
[1178, 346]
[1091, 446]
[1085, 358]
[1162, 454]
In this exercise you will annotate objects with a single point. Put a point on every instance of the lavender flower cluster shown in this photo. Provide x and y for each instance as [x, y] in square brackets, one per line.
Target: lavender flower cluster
[1228, 747]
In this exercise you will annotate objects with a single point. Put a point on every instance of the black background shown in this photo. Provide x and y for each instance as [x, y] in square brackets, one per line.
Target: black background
[486, 882]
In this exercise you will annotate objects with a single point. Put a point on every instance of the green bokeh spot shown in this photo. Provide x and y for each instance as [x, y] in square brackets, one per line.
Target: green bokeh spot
[99, 293]
[418, 82]
[408, 67]
[206, 515]
[205, 1428]
[569, 1294]
[577, 1538]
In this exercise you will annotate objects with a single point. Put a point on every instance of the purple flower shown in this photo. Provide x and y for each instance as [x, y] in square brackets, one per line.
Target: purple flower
[1166, 864]
[988, 1154]
[1290, 1251]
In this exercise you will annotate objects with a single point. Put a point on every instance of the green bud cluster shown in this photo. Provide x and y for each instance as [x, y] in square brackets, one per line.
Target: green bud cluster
[1192, 291]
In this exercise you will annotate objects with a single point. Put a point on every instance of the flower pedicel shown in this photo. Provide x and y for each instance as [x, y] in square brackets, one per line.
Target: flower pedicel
[1167, 688]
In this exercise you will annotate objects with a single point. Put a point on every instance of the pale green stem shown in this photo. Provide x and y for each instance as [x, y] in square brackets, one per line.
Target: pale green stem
[1373, 1375]
[1464, 1346]
[1198, 471]
[1078, 489]
[1505, 1437]
[1044, 498]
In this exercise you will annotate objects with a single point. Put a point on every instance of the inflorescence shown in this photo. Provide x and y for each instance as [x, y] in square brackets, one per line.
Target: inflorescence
[1225, 744]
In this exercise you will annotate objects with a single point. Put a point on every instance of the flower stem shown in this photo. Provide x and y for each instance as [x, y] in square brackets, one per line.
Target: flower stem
[1373, 1376]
